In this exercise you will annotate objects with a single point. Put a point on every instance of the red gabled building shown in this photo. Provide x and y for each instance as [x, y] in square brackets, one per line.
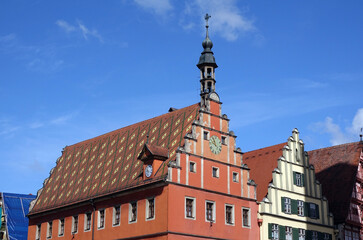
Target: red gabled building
[175, 176]
[339, 170]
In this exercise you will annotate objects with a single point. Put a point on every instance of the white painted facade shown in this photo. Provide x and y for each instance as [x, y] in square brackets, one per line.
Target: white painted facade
[280, 209]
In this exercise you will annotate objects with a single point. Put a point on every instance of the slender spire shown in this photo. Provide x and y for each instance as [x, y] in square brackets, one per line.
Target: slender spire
[207, 57]
[206, 24]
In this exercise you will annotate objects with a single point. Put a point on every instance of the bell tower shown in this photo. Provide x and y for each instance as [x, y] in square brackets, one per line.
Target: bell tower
[207, 65]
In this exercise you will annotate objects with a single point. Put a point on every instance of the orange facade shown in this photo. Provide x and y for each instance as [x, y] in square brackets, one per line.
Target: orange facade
[204, 195]
[175, 176]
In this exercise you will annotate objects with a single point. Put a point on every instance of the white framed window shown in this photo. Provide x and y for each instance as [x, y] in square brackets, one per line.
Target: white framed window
[288, 231]
[210, 211]
[287, 205]
[150, 209]
[300, 208]
[315, 235]
[275, 231]
[192, 167]
[189, 207]
[246, 217]
[215, 172]
[101, 219]
[49, 229]
[38, 231]
[116, 216]
[235, 177]
[355, 236]
[205, 135]
[61, 227]
[298, 179]
[301, 234]
[75, 224]
[313, 210]
[133, 212]
[229, 214]
[87, 221]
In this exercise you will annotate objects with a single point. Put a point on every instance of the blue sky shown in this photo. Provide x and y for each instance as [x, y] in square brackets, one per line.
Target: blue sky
[72, 70]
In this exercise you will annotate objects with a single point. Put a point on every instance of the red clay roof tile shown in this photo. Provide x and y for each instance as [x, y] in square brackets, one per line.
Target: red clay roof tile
[335, 168]
[261, 163]
[108, 163]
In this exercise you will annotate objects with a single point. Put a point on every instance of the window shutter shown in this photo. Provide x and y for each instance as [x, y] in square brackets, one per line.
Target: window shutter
[294, 176]
[330, 237]
[306, 209]
[317, 211]
[293, 206]
[320, 235]
[308, 235]
[282, 233]
[269, 230]
[282, 204]
[302, 180]
[295, 234]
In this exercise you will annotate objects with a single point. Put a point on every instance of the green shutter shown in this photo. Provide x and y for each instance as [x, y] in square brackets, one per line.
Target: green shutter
[308, 235]
[282, 233]
[294, 176]
[306, 209]
[295, 234]
[282, 204]
[293, 206]
[302, 180]
[317, 211]
[269, 230]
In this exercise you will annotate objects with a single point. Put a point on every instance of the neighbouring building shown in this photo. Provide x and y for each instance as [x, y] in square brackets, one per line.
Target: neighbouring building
[339, 170]
[13, 210]
[291, 204]
[175, 176]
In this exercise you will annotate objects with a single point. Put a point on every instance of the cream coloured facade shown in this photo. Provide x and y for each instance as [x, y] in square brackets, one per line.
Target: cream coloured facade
[293, 207]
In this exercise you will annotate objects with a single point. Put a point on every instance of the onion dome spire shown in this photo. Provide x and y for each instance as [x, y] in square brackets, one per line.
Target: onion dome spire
[207, 57]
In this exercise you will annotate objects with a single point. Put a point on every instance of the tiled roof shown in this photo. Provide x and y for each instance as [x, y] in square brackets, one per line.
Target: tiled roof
[336, 168]
[108, 163]
[261, 163]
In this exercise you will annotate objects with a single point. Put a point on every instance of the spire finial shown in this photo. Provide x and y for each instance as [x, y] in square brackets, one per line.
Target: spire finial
[206, 17]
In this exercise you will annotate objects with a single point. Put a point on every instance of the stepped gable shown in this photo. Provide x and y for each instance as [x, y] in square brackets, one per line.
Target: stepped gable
[261, 163]
[336, 169]
[108, 163]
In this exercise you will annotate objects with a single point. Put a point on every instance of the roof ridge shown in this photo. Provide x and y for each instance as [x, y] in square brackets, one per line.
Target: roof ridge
[266, 147]
[119, 129]
[335, 146]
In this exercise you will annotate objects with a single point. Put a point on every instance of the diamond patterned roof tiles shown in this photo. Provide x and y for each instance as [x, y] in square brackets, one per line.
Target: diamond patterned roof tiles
[108, 163]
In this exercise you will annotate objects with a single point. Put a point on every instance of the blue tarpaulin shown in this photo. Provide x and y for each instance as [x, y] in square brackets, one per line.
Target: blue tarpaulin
[16, 207]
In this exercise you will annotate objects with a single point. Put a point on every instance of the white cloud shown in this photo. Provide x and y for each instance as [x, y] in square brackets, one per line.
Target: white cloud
[227, 19]
[79, 28]
[8, 38]
[357, 123]
[159, 7]
[65, 26]
[86, 32]
[339, 136]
